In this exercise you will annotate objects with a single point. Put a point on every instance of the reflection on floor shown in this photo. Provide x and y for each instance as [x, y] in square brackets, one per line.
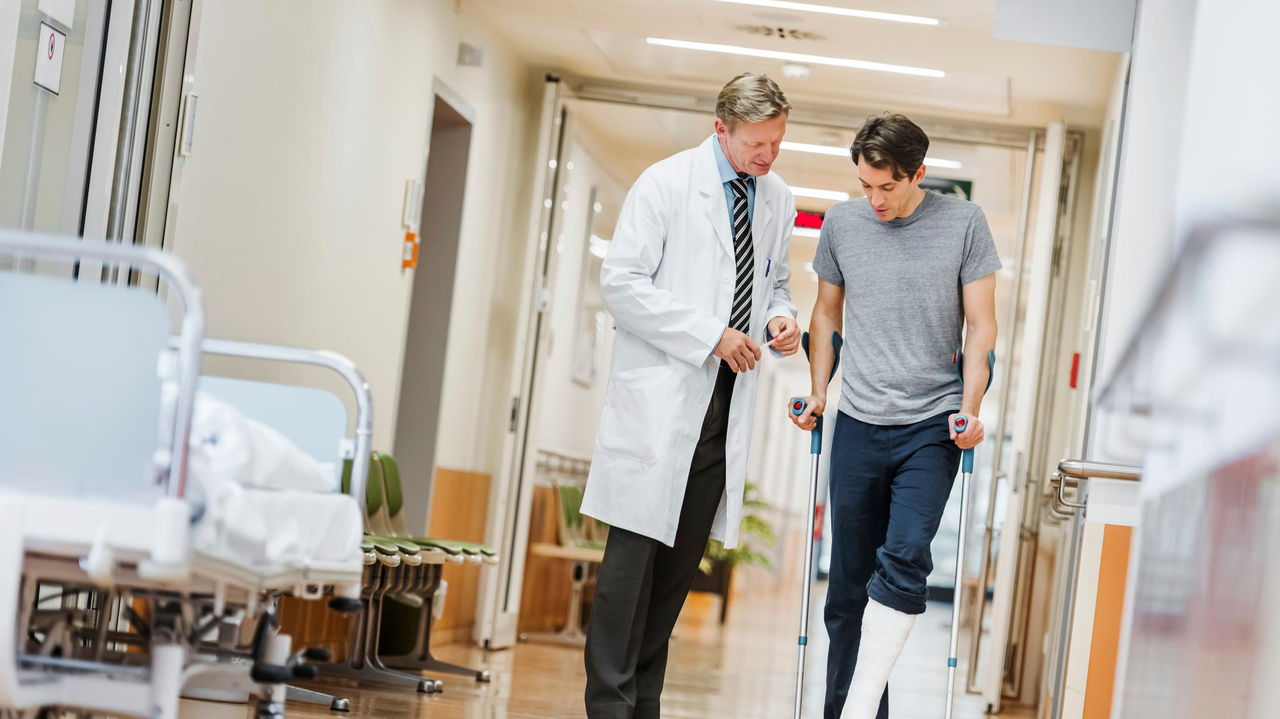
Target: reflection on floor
[744, 670]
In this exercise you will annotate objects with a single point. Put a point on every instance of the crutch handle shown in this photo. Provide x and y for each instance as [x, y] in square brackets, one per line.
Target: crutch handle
[960, 422]
[798, 405]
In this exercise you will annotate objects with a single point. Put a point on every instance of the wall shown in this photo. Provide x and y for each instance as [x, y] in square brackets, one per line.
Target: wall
[312, 117]
[574, 282]
[1200, 635]
[1143, 231]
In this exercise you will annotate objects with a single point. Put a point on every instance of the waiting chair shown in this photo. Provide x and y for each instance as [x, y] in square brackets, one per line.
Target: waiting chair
[421, 658]
[580, 541]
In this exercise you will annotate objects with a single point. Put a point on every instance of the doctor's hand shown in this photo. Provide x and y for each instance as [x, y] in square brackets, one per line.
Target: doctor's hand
[972, 436]
[738, 350]
[814, 406]
[786, 335]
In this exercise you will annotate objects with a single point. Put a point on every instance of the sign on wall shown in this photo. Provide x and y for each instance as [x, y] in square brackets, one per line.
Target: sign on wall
[49, 47]
[941, 185]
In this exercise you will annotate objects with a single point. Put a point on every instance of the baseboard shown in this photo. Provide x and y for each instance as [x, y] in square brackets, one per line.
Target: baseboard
[454, 635]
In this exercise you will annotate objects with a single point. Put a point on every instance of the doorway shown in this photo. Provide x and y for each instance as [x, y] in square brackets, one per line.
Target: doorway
[422, 375]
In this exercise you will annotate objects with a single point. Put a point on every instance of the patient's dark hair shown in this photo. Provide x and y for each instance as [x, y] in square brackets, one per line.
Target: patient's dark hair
[891, 141]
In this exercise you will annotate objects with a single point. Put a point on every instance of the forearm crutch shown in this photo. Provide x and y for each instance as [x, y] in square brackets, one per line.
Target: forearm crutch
[960, 423]
[798, 406]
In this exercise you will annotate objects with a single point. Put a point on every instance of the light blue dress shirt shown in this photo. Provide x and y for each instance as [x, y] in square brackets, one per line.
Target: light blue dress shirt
[728, 174]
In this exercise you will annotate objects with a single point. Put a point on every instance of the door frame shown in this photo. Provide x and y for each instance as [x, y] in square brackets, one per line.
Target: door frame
[509, 506]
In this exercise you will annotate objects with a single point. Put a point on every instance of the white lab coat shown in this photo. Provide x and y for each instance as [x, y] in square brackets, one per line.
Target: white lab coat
[668, 281]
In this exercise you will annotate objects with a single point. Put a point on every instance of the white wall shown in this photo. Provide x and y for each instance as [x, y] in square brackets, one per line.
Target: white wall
[568, 411]
[312, 117]
[1229, 144]
[1143, 230]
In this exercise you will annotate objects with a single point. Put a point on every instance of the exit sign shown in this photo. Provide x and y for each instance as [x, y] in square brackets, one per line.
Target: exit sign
[808, 220]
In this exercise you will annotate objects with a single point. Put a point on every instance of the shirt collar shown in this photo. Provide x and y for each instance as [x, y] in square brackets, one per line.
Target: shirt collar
[727, 172]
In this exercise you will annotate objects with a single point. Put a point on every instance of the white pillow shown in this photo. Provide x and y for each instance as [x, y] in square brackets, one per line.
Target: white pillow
[227, 446]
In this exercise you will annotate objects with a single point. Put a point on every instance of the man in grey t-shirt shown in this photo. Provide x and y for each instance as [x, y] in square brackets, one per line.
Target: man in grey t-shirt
[904, 272]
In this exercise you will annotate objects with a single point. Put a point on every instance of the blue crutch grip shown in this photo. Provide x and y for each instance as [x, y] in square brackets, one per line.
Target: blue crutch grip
[798, 406]
[960, 423]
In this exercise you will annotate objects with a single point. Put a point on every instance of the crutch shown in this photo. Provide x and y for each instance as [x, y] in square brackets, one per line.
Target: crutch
[798, 405]
[960, 424]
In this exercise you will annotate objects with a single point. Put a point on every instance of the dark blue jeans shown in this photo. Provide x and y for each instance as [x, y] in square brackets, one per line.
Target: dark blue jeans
[889, 485]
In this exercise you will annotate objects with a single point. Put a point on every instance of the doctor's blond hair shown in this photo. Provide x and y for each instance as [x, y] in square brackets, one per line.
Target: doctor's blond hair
[750, 97]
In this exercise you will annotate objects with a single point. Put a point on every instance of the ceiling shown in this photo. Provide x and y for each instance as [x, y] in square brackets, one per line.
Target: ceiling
[625, 139]
[989, 83]
[987, 80]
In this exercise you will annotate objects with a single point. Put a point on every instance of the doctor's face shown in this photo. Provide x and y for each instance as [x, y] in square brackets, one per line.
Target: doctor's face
[751, 147]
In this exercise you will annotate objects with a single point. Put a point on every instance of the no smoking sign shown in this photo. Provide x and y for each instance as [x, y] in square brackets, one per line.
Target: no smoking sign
[49, 47]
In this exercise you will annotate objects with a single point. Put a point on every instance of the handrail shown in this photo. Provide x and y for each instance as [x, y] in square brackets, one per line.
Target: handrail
[1077, 472]
[1082, 469]
[1191, 252]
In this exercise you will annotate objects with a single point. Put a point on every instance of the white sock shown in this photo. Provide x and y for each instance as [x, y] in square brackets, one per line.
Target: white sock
[884, 632]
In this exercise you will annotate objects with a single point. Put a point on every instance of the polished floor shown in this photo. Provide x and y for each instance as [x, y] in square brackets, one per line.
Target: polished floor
[744, 670]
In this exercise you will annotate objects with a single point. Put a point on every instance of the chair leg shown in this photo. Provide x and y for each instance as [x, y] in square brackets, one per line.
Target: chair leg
[298, 694]
[422, 659]
[362, 666]
[571, 634]
[421, 644]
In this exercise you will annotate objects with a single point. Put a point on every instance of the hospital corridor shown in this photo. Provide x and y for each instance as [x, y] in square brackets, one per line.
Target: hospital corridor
[622, 359]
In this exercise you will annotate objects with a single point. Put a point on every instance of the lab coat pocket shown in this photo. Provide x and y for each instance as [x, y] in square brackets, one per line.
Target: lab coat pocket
[636, 415]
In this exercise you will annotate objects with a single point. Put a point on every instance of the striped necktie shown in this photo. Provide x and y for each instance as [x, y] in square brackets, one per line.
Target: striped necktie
[744, 255]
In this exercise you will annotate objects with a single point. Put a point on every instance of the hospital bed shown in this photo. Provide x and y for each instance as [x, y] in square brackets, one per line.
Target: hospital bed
[99, 513]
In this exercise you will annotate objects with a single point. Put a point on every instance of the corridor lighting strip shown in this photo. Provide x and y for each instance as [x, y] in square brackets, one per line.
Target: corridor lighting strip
[844, 152]
[829, 10]
[797, 57]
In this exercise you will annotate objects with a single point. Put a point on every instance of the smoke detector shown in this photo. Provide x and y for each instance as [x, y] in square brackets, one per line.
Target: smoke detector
[796, 71]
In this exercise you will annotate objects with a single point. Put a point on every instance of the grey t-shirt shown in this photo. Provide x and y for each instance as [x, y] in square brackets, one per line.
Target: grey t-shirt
[903, 309]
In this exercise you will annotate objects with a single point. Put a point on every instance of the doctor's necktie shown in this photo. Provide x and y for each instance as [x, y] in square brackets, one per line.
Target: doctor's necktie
[744, 256]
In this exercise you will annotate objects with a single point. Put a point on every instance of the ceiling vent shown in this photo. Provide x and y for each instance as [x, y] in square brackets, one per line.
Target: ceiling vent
[780, 32]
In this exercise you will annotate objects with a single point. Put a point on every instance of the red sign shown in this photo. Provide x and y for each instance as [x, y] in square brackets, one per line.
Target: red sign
[811, 220]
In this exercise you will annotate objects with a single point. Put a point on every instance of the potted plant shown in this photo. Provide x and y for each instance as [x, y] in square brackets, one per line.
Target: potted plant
[755, 537]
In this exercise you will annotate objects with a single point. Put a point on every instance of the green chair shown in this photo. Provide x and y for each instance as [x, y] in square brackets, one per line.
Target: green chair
[399, 569]
[579, 541]
[576, 529]
[395, 525]
[389, 550]
[421, 617]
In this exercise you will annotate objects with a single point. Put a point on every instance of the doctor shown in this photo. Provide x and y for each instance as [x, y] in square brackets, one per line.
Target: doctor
[696, 280]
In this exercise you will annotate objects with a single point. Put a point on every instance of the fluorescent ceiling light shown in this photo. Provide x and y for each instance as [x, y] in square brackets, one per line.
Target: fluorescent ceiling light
[806, 232]
[797, 57]
[820, 194]
[847, 12]
[815, 149]
[844, 152]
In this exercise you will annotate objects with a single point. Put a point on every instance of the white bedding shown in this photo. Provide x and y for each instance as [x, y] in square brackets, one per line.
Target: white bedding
[264, 528]
[227, 446]
[266, 503]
